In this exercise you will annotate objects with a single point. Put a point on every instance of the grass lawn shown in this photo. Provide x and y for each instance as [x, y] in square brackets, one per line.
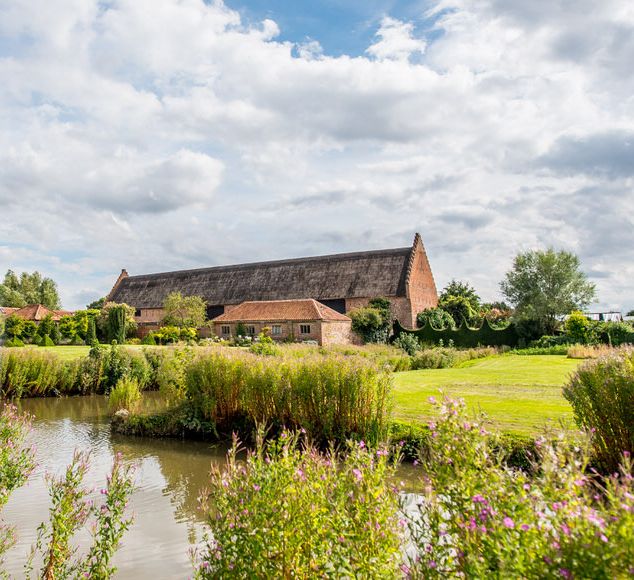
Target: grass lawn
[519, 393]
[63, 352]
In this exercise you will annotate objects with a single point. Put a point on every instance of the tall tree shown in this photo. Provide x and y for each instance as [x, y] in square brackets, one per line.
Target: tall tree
[545, 285]
[184, 310]
[460, 289]
[28, 289]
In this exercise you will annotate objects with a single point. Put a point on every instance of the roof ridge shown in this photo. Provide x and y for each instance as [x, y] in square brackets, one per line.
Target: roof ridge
[341, 256]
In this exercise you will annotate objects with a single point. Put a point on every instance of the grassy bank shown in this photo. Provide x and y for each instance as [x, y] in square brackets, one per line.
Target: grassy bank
[519, 393]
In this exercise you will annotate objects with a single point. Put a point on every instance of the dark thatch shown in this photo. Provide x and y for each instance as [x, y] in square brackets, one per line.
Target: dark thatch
[339, 276]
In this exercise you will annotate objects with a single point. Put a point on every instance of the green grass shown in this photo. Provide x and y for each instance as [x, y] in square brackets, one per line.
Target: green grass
[63, 352]
[520, 394]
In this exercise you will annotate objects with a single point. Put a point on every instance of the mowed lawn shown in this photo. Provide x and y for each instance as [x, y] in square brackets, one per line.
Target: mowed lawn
[519, 393]
[63, 352]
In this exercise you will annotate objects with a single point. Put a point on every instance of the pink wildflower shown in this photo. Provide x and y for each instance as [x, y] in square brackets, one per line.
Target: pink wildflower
[508, 522]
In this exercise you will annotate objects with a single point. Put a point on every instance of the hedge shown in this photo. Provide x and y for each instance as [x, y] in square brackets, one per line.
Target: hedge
[464, 336]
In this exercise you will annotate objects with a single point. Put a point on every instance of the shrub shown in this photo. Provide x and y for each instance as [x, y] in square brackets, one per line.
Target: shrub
[168, 334]
[170, 375]
[578, 327]
[562, 349]
[479, 519]
[55, 334]
[13, 326]
[293, 513]
[408, 343]
[13, 343]
[148, 339]
[589, 351]
[264, 346]
[437, 318]
[46, 341]
[125, 395]
[601, 394]
[133, 341]
[442, 358]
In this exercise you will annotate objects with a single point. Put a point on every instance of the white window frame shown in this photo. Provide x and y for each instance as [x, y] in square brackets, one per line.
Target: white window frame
[276, 329]
[250, 328]
[225, 330]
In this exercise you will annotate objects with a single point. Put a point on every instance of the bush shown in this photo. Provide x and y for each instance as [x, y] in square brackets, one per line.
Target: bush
[437, 318]
[443, 358]
[13, 343]
[133, 341]
[479, 519]
[46, 341]
[369, 324]
[562, 349]
[149, 340]
[125, 395]
[601, 394]
[577, 327]
[293, 513]
[408, 343]
[264, 346]
[170, 376]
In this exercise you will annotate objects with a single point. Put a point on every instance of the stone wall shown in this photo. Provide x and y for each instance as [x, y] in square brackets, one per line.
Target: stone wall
[337, 332]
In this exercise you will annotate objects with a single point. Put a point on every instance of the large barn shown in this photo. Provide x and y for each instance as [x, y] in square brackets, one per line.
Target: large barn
[340, 281]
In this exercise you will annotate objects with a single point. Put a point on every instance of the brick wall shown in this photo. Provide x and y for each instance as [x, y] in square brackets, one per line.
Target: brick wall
[337, 332]
[421, 288]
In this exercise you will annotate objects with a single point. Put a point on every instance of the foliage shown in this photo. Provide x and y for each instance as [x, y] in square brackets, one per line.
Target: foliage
[13, 326]
[437, 318]
[588, 351]
[16, 463]
[28, 289]
[13, 343]
[290, 512]
[480, 519]
[125, 395]
[457, 288]
[116, 321]
[168, 334]
[408, 343]
[91, 331]
[601, 394]
[56, 336]
[71, 511]
[149, 339]
[45, 327]
[612, 333]
[97, 304]
[369, 324]
[29, 330]
[332, 398]
[46, 341]
[545, 285]
[264, 346]
[464, 336]
[184, 310]
[443, 358]
[170, 376]
[577, 327]
[68, 327]
[562, 349]
[241, 329]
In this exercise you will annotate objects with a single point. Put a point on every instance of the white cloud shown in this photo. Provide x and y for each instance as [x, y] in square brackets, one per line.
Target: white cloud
[160, 134]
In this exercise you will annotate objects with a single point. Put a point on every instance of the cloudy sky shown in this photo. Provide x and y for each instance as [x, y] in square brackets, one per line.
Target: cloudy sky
[168, 134]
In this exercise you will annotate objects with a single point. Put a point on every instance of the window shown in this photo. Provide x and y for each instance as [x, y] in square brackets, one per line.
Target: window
[251, 330]
[304, 328]
[137, 312]
[276, 329]
[225, 330]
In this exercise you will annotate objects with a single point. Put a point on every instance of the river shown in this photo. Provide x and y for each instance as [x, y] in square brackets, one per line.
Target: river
[169, 477]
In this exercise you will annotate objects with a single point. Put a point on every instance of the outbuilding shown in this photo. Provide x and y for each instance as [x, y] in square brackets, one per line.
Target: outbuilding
[292, 320]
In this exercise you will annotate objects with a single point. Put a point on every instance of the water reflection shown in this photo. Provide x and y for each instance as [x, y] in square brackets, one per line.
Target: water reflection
[169, 476]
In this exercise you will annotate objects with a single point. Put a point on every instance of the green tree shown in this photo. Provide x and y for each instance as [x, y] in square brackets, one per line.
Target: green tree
[68, 327]
[459, 308]
[81, 323]
[184, 311]
[97, 304]
[28, 289]
[463, 290]
[545, 285]
[91, 334]
[438, 318]
[104, 320]
[13, 326]
[578, 327]
[55, 334]
[45, 328]
[369, 324]
[29, 329]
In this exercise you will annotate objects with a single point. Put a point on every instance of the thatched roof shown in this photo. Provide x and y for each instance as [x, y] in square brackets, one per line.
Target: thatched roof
[353, 275]
[281, 311]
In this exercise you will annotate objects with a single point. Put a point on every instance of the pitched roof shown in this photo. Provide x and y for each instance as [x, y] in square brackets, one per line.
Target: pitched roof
[7, 310]
[352, 275]
[281, 311]
[38, 312]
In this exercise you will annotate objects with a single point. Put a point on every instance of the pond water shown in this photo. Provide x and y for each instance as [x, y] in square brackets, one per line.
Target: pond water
[169, 477]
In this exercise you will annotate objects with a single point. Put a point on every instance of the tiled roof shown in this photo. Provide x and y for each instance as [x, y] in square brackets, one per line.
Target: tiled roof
[7, 310]
[281, 311]
[38, 312]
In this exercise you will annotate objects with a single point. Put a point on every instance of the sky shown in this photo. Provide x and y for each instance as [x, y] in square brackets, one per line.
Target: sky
[159, 135]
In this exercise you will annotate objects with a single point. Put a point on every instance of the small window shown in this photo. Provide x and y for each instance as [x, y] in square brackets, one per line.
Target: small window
[137, 312]
[276, 329]
[251, 330]
[304, 328]
[225, 330]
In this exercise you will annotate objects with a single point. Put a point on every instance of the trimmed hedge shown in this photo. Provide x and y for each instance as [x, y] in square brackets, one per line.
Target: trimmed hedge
[463, 336]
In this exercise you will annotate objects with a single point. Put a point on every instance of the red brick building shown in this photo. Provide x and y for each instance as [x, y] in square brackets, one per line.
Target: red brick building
[295, 320]
[340, 281]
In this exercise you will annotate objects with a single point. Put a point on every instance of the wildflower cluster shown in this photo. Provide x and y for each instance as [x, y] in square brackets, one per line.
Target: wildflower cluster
[290, 511]
[479, 518]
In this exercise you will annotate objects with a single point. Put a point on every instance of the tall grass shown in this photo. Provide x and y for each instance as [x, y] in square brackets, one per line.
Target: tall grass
[332, 398]
[125, 395]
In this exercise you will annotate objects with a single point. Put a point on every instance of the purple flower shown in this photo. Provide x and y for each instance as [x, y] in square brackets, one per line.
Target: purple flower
[565, 573]
[508, 522]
